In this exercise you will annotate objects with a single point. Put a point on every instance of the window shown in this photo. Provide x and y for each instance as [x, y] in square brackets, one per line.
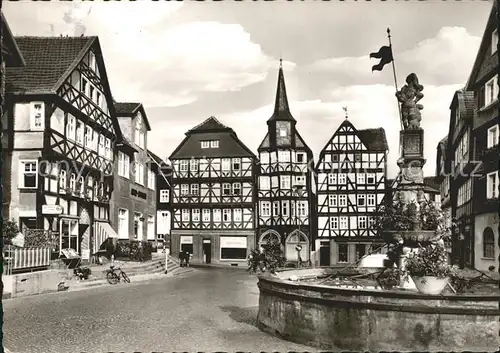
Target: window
[151, 179]
[70, 127]
[122, 223]
[332, 200]
[343, 223]
[62, 179]
[123, 165]
[282, 132]
[284, 208]
[494, 41]
[300, 181]
[185, 215]
[236, 189]
[371, 200]
[226, 215]
[236, 164]
[139, 173]
[462, 149]
[342, 178]
[193, 165]
[370, 179]
[81, 185]
[360, 251]
[91, 92]
[335, 157]
[92, 63]
[195, 189]
[492, 185]
[29, 174]
[90, 186]
[342, 200]
[264, 183]
[492, 136]
[214, 144]
[361, 178]
[84, 85]
[226, 189]
[488, 243]
[285, 182]
[276, 208]
[37, 116]
[164, 195]
[357, 157]
[184, 189]
[69, 235]
[98, 98]
[89, 137]
[226, 164]
[206, 215]
[79, 132]
[301, 157]
[107, 148]
[151, 228]
[362, 222]
[342, 253]
[371, 221]
[196, 215]
[101, 150]
[283, 156]
[361, 200]
[334, 223]
[205, 144]
[217, 217]
[265, 208]
[302, 209]
[491, 89]
[332, 179]
[139, 133]
[184, 165]
[237, 214]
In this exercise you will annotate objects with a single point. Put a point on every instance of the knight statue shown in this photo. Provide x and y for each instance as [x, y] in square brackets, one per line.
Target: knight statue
[408, 96]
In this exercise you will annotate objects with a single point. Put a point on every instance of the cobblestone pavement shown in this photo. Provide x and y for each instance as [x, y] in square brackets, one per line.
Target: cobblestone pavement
[210, 310]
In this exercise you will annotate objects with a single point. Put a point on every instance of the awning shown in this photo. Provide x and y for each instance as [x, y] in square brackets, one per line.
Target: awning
[102, 232]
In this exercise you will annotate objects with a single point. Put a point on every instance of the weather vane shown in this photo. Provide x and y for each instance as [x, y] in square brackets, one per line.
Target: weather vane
[345, 110]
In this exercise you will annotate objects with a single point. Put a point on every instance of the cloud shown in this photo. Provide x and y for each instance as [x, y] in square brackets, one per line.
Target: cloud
[149, 56]
[444, 59]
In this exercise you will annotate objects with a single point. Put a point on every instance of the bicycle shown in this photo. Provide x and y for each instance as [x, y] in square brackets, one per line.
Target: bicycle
[113, 277]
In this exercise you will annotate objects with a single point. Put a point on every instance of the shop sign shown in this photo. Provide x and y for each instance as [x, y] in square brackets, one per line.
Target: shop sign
[186, 239]
[52, 209]
[233, 242]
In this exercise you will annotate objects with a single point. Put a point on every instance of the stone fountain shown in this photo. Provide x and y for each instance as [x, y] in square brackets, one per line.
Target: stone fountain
[334, 317]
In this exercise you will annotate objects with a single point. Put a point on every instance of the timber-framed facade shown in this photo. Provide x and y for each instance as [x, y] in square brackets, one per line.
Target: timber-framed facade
[286, 201]
[213, 195]
[351, 187]
[62, 132]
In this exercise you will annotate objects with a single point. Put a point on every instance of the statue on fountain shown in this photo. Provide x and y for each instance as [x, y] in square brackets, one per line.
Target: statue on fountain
[408, 96]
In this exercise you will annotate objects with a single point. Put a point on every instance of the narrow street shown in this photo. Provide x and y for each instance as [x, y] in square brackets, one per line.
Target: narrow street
[209, 310]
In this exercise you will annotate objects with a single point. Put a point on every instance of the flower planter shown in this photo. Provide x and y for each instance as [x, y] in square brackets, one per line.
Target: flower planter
[430, 284]
[411, 238]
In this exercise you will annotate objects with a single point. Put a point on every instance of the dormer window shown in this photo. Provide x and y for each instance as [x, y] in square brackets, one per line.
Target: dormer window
[205, 144]
[494, 41]
[282, 133]
[214, 144]
[491, 90]
[139, 133]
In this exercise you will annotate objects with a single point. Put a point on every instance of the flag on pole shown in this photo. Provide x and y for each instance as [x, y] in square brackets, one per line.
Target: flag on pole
[385, 56]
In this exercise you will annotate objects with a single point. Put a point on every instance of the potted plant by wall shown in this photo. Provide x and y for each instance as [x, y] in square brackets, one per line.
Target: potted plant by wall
[429, 269]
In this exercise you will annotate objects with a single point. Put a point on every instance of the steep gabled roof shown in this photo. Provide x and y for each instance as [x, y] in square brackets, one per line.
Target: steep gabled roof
[281, 107]
[209, 125]
[49, 61]
[130, 110]
[491, 25]
[374, 139]
[10, 50]
[157, 160]
[211, 129]
[465, 102]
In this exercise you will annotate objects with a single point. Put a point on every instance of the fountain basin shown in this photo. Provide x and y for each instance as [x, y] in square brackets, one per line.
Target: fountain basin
[412, 238]
[362, 319]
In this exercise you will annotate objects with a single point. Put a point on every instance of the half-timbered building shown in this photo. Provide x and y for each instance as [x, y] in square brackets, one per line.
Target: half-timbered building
[58, 160]
[285, 183]
[483, 84]
[163, 204]
[443, 177]
[213, 195]
[351, 177]
[133, 203]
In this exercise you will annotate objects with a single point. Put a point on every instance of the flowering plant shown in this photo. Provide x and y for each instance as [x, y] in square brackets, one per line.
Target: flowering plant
[430, 260]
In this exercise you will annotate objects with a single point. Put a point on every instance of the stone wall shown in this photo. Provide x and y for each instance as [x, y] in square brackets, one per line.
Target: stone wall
[371, 320]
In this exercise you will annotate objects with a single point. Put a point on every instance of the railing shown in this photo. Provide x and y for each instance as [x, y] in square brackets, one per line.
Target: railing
[17, 260]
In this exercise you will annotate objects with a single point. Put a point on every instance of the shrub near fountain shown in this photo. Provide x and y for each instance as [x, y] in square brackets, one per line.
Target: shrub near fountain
[301, 306]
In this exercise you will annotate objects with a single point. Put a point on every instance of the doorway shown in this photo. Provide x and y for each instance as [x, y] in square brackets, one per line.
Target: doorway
[324, 253]
[207, 251]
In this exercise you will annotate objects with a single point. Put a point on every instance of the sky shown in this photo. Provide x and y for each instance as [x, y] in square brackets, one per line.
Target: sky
[187, 61]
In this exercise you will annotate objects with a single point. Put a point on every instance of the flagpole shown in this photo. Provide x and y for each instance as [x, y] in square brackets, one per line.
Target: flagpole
[394, 73]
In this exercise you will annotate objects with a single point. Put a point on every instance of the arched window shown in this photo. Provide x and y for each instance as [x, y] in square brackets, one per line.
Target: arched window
[72, 181]
[297, 238]
[488, 243]
[62, 179]
[81, 184]
[270, 236]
